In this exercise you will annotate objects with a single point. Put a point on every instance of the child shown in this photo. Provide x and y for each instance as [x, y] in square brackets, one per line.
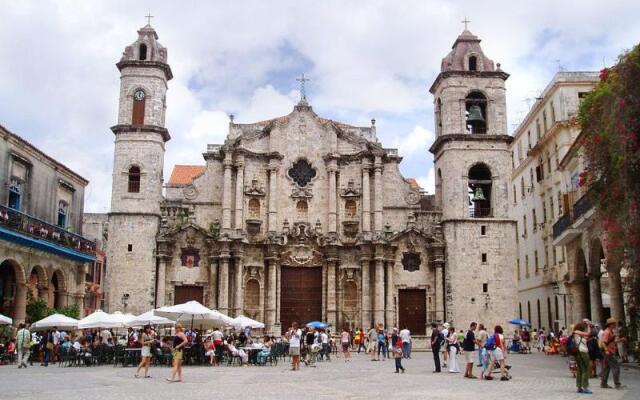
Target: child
[484, 357]
[397, 353]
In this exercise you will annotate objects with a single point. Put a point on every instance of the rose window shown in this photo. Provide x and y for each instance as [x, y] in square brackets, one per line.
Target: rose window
[301, 172]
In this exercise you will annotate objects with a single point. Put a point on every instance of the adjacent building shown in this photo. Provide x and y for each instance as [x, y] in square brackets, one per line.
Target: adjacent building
[94, 227]
[538, 198]
[42, 252]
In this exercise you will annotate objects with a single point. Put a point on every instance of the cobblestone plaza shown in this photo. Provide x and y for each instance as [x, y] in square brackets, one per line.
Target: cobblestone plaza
[534, 377]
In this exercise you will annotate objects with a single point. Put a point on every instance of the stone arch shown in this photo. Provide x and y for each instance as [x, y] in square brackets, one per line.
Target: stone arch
[38, 281]
[12, 278]
[142, 52]
[439, 188]
[480, 189]
[57, 289]
[252, 299]
[596, 255]
[477, 101]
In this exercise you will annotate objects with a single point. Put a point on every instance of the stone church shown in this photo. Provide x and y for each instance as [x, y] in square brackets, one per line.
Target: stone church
[302, 218]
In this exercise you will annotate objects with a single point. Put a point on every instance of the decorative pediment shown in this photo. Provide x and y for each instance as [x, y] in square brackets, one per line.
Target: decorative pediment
[301, 255]
[350, 190]
[256, 189]
[171, 233]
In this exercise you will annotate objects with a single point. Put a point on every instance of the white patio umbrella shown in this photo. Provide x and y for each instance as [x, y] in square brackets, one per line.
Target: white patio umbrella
[100, 319]
[149, 319]
[56, 320]
[124, 318]
[193, 313]
[243, 322]
[4, 320]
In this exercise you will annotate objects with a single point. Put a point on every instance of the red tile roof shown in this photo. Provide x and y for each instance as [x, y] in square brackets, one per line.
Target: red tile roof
[184, 174]
[413, 183]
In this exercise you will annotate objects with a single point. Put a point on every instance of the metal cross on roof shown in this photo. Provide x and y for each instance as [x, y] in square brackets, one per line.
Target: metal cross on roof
[303, 91]
[148, 17]
[465, 21]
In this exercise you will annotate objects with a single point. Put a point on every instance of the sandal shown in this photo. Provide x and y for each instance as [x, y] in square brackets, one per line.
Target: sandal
[136, 376]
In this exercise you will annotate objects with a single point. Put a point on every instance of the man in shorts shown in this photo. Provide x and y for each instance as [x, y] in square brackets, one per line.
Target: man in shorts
[469, 347]
[295, 336]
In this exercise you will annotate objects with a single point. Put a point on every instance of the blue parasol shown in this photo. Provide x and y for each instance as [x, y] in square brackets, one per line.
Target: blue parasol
[317, 325]
[520, 322]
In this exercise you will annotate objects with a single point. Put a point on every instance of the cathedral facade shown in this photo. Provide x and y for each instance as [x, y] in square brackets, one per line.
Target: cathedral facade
[302, 218]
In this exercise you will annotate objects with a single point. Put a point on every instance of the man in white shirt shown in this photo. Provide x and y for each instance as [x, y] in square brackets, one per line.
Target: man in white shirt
[405, 336]
[105, 335]
[372, 335]
[445, 334]
[295, 336]
[324, 340]
[56, 344]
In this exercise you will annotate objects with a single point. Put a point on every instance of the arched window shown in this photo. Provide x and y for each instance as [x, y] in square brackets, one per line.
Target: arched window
[350, 209]
[476, 106]
[522, 187]
[134, 179]
[473, 63]
[139, 101]
[439, 116]
[302, 210]
[439, 189]
[143, 52]
[63, 208]
[480, 191]
[254, 208]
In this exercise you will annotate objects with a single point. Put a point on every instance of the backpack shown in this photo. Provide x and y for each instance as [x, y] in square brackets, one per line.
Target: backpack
[490, 344]
[572, 346]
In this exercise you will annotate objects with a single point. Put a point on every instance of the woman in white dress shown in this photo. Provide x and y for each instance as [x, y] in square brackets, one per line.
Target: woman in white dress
[146, 339]
[453, 346]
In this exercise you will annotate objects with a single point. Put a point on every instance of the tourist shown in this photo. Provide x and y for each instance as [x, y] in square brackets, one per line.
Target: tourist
[593, 344]
[481, 340]
[611, 361]
[23, 341]
[526, 340]
[398, 354]
[309, 340]
[146, 339]
[436, 340]
[179, 342]
[345, 340]
[622, 345]
[453, 348]
[217, 343]
[372, 336]
[362, 344]
[541, 340]
[469, 347]
[495, 344]
[47, 347]
[294, 336]
[210, 351]
[445, 347]
[56, 344]
[405, 337]
[244, 357]
[105, 335]
[357, 337]
[382, 344]
[326, 349]
[580, 336]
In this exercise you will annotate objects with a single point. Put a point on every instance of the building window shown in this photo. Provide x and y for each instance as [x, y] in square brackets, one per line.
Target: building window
[483, 230]
[517, 235]
[524, 223]
[518, 267]
[139, 101]
[129, 247]
[535, 260]
[531, 180]
[301, 172]
[98, 273]
[476, 107]
[544, 120]
[484, 258]
[515, 195]
[535, 220]
[63, 208]
[411, 262]
[254, 208]
[479, 189]
[439, 116]
[529, 140]
[538, 130]
[522, 187]
[350, 209]
[134, 179]
[15, 194]
[473, 63]
[143, 52]
[544, 211]
[553, 113]
[554, 254]
[302, 210]
[485, 288]
[526, 266]
[520, 150]
[513, 160]
[559, 203]
[557, 155]
[553, 217]
[546, 257]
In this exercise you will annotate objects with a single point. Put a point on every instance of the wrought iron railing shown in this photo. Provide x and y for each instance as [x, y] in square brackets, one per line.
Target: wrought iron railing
[561, 225]
[582, 206]
[36, 228]
[480, 212]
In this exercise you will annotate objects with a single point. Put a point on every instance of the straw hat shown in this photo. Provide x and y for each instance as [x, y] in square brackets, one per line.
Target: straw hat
[611, 321]
[446, 324]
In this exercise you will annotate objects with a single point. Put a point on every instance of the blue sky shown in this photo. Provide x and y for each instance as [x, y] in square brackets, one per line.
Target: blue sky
[366, 59]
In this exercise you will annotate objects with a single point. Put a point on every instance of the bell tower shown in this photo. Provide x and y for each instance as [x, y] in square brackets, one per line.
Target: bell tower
[473, 168]
[140, 137]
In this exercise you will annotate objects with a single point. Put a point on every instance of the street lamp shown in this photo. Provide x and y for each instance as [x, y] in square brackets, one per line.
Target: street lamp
[125, 301]
[556, 292]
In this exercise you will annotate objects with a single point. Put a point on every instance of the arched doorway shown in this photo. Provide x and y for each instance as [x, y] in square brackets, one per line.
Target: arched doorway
[583, 286]
[252, 299]
[57, 290]
[600, 287]
[11, 279]
[37, 283]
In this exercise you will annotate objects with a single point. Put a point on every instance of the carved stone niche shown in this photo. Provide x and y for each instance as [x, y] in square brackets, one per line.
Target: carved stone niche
[253, 225]
[411, 261]
[350, 228]
[350, 190]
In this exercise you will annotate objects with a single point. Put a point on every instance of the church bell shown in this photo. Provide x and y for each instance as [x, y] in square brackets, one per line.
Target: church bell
[475, 114]
[479, 195]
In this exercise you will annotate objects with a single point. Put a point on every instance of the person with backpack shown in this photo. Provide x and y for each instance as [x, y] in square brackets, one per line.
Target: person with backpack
[577, 347]
[611, 361]
[436, 338]
[495, 347]
[469, 347]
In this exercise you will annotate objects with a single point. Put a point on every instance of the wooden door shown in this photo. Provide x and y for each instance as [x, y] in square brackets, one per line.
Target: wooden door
[187, 293]
[412, 304]
[300, 295]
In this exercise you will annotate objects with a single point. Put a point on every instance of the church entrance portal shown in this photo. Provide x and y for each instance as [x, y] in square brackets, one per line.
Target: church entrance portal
[413, 310]
[188, 293]
[300, 295]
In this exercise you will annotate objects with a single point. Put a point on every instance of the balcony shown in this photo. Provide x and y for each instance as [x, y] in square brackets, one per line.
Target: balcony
[480, 212]
[583, 212]
[29, 231]
[563, 231]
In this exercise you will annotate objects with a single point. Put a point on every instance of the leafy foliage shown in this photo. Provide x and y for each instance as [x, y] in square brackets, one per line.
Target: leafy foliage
[72, 311]
[38, 309]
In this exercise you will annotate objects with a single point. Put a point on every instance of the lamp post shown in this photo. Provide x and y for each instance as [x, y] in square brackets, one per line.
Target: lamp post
[556, 292]
[125, 301]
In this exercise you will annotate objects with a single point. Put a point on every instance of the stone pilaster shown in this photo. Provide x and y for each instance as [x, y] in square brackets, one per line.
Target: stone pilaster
[161, 289]
[616, 293]
[366, 293]
[389, 309]
[366, 198]
[333, 217]
[378, 195]
[273, 199]
[595, 291]
[223, 285]
[439, 296]
[238, 290]
[378, 297]
[331, 293]
[271, 296]
[579, 302]
[239, 223]
[213, 282]
[20, 303]
[226, 192]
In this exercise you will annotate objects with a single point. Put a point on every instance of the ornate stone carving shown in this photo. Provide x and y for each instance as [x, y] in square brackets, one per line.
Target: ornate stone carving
[412, 198]
[255, 189]
[302, 172]
[304, 193]
[411, 261]
[190, 192]
[350, 190]
[190, 257]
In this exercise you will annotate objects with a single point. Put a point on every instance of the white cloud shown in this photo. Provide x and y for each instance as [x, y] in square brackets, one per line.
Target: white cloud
[428, 182]
[415, 142]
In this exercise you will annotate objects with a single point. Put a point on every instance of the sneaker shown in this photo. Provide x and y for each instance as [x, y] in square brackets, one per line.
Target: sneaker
[580, 390]
[403, 370]
[397, 372]
[488, 378]
[504, 378]
[620, 387]
[605, 386]
[587, 391]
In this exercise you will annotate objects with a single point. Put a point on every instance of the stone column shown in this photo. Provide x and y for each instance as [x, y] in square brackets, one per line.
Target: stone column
[331, 293]
[378, 298]
[595, 291]
[333, 216]
[273, 195]
[616, 294]
[43, 292]
[213, 282]
[161, 288]
[20, 303]
[378, 195]
[579, 303]
[366, 199]
[238, 291]
[239, 224]
[389, 290]
[271, 296]
[226, 192]
[438, 301]
[223, 287]
[366, 293]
